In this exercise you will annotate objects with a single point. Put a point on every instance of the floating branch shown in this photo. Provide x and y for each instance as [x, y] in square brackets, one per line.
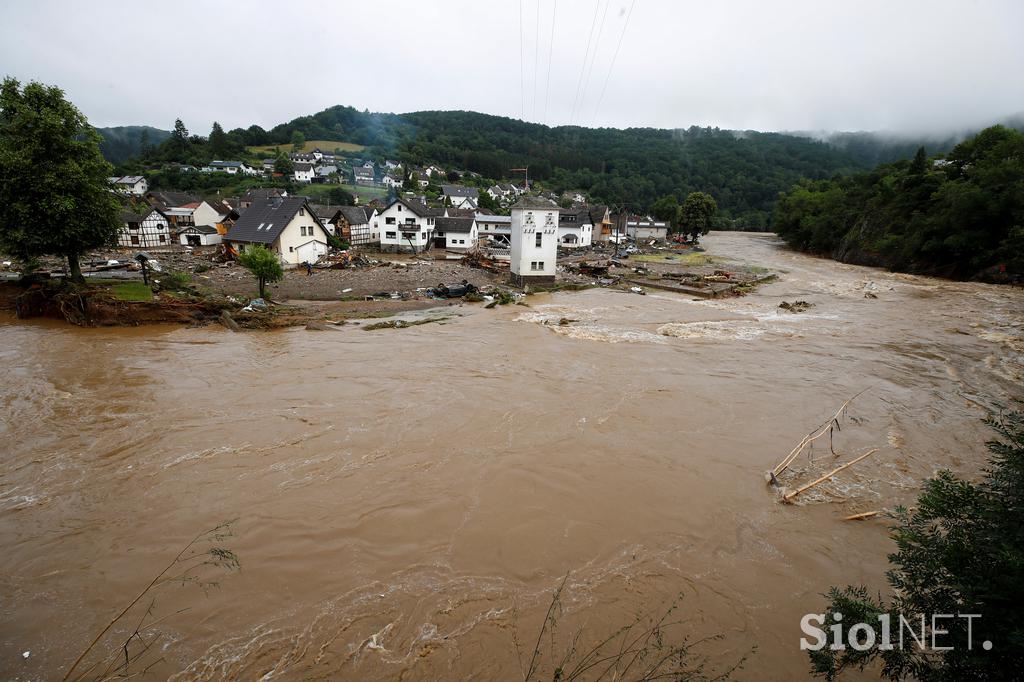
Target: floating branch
[826, 427]
[788, 497]
[861, 516]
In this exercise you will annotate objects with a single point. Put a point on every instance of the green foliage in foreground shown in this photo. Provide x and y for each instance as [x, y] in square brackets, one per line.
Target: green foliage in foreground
[264, 264]
[956, 219]
[54, 194]
[961, 551]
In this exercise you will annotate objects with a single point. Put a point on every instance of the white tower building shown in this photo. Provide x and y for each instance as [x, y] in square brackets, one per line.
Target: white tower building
[534, 241]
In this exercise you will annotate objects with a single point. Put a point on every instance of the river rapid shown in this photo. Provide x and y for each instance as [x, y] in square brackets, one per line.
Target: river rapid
[405, 501]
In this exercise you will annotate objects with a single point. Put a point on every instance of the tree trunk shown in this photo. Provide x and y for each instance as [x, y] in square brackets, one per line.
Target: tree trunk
[75, 268]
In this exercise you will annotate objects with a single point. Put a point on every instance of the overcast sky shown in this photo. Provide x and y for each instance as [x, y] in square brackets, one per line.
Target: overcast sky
[898, 65]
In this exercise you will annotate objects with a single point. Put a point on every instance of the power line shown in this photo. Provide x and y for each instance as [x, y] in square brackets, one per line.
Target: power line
[522, 63]
[611, 66]
[536, 54]
[593, 58]
[579, 83]
[551, 47]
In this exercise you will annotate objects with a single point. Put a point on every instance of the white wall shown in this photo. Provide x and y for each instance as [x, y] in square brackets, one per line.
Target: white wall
[204, 214]
[302, 228]
[526, 225]
[400, 214]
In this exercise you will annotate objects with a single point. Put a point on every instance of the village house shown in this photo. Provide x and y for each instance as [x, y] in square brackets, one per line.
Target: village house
[430, 171]
[328, 215]
[301, 157]
[362, 175]
[575, 228]
[534, 248]
[354, 225]
[134, 185]
[640, 230]
[259, 194]
[497, 228]
[391, 180]
[325, 173]
[390, 165]
[286, 225]
[230, 167]
[455, 233]
[269, 165]
[460, 197]
[406, 225]
[200, 235]
[323, 157]
[302, 172]
[147, 230]
[601, 219]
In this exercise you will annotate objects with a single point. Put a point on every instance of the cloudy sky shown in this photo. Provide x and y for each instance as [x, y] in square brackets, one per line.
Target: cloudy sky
[928, 65]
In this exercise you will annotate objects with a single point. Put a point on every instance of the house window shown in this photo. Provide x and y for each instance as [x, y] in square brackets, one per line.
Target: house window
[162, 239]
[538, 242]
[540, 265]
[135, 240]
[399, 207]
[389, 221]
[302, 211]
[390, 235]
[290, 249]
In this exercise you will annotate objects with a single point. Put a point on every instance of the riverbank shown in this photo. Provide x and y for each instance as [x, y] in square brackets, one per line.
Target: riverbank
[194, 288]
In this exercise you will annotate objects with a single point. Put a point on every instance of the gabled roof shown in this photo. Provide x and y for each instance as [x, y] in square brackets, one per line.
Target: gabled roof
[199, 229]
[422, 210]
[165, 199]
[362, 170]
[459, 191]
[129, 180]
[129, 217]
[302, 167]
[535, 203]
[325, 213]
[454, 224]
[266, 219]
[355, 215]
[261, 193]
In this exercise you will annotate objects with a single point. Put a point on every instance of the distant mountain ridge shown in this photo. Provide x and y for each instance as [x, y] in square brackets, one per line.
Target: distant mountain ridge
[124, 142]
[744, 170]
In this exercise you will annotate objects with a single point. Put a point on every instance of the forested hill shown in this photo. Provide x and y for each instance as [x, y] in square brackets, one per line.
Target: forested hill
[962, 216]
[743, 170]
[122, 143]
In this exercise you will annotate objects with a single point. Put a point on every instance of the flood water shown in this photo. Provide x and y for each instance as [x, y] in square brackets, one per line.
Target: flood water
[405, 501]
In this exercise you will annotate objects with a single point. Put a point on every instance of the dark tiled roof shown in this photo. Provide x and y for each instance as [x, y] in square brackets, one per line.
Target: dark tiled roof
[266, 219]
[129, 217]
[166, 199]
[459, 191]
[355, 215]
[325, 212]
[302, 166]
[420, 209]
[454, 225]
[200, 229]
[261, 193]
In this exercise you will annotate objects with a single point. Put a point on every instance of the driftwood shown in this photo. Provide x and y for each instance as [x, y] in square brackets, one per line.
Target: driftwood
[788, 497]
[826, 427]
[861, 516]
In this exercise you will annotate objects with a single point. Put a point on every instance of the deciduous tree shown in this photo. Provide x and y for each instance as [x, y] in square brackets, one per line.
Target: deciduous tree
[54, 191]
[696, 214]
[264, 264]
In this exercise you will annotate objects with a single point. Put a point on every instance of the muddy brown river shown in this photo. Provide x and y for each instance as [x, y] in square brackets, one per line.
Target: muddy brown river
[405, 501]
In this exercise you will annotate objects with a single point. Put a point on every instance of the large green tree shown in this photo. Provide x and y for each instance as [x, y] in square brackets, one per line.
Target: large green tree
[696, 213]
[666, 208]
[54, 192]
[264, 264]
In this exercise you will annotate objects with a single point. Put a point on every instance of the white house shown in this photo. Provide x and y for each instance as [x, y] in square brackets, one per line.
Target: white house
[231, 168]
[134, 185]
[640, 230]
[390, 180]
[534, 246]
[457, 234]
[460, 197]
[575, 228]
[363, 175]
[429, 171]
[209, 214]
[405, 225]
[325, 173]
[495, 227]
[285, 225]
[199, 235]
[144, 231]
[390, 165]
[302, 172]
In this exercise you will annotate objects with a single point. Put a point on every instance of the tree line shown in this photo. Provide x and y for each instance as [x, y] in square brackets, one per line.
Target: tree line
[961, 216]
